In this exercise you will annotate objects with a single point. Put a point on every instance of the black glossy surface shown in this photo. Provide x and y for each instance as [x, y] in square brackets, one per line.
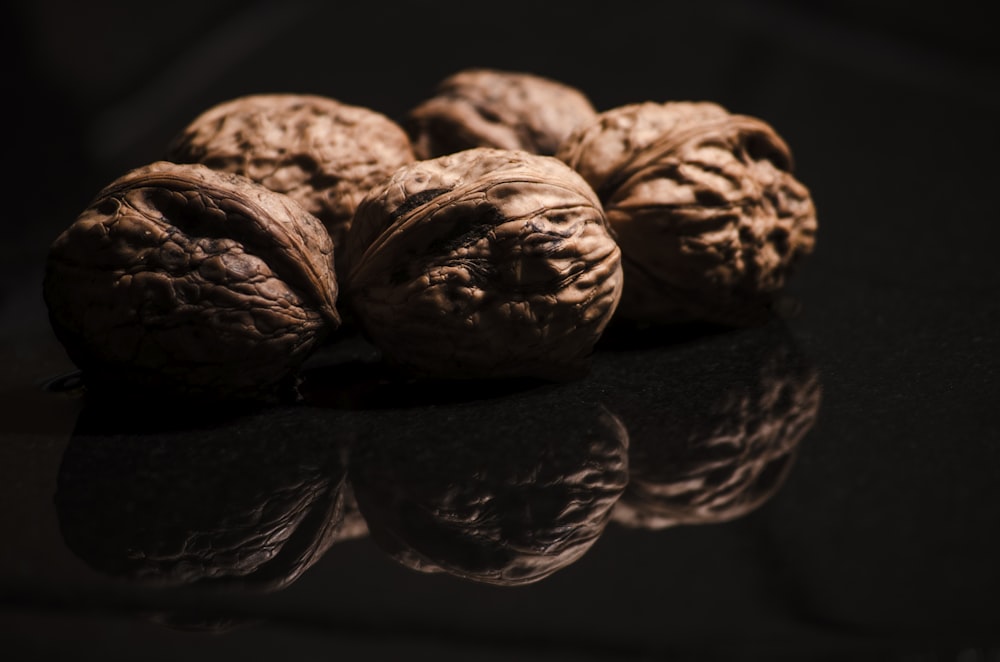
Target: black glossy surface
[821, 488]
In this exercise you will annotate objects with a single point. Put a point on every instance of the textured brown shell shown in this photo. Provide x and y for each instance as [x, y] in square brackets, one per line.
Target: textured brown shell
[321, 152]
[709, 217]
[501, 109]
[483, 263]
[192, 281]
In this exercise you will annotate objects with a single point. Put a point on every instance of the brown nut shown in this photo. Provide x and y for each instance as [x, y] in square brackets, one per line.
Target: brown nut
[321, 152]
[710, 220]
[483, 263]
[186, 280]
[501, 109]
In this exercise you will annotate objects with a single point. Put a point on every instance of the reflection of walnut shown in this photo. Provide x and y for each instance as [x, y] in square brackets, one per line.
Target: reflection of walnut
[322, 153]
[483, 263]
[502, 109]
[507, 503]
[186, 280]
[709, 218]
[714, 453]
[353, 525]
[254, 500]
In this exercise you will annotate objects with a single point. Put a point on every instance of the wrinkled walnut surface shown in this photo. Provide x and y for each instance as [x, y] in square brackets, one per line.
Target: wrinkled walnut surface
[501, 109]
[709, 217]
[484, 263]
[183, 279]
[321, 152]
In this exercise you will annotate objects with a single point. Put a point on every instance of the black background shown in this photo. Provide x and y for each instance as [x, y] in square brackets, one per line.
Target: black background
[883, 542]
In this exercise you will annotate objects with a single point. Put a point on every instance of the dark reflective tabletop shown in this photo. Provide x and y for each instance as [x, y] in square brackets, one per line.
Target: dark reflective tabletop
[822, 486]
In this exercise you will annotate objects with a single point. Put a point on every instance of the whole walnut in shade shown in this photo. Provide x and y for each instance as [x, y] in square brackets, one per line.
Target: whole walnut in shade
[321, 152]
[483, 263]
[709, 217]
[501, 109]
[183, 279]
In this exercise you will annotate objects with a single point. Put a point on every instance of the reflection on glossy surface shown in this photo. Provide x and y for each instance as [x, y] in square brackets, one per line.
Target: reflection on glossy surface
[715, 435]
[353, 524]
[193, 620]
[500, 492]
[256, 498]
[502, 483]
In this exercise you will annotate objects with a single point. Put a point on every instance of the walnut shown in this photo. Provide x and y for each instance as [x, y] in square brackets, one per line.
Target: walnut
[254, 499]
[483, 263]
[703, 203]
[186, 281]
[508, 501]
[501, 109]
[323, 153]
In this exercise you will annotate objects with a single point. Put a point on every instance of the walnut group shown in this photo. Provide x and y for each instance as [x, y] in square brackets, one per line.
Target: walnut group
[495, 230]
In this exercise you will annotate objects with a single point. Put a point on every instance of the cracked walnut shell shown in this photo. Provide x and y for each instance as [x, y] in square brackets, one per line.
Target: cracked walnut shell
[500, 109]
[703, 203]
[483, 263]
[189, 281]
[321, 152]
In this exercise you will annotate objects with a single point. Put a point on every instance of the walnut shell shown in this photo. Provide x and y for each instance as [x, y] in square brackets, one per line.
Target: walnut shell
[323, 153]
[710, 220]
[493, 108]
[483, 263]
[188, 281]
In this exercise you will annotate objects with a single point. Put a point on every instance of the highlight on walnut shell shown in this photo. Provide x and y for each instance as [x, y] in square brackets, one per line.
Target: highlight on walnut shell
[183, 280]
[495, 108]
[320, 151]
[483, 263]
[710, 219]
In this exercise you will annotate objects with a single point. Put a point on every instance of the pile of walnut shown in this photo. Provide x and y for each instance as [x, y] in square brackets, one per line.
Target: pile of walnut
[494, 231]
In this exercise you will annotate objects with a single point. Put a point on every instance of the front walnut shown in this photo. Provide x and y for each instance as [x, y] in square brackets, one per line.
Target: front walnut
[709, 217]
[494, 108]
[187, 281]
[321, 152]
[484, 263]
